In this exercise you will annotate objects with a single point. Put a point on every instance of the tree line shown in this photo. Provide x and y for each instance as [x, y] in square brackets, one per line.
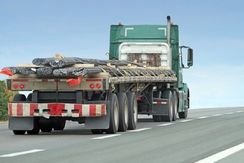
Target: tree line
[5, 97]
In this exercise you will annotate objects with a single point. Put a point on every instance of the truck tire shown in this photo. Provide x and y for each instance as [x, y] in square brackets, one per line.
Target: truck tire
[45, 125]
[133, 112]
[123, 112]
[59, 124]
[167, 94]
[175, 105]
[29, 97]
[183, 115]
[19, 132]
[19, 98]
[114, 114]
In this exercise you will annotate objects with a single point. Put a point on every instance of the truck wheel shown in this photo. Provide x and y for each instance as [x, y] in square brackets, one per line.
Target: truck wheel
[183, 115]
[45, 125]
[36, 128]
[18, 132]
[123, 112]
[59, 124]
[29, 97]
[19, 98]
[114, 114]
[167, 94]
[133, 112]
[175, 105]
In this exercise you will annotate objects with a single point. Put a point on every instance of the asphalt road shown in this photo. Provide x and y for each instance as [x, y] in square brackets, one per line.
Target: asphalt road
[208, 135]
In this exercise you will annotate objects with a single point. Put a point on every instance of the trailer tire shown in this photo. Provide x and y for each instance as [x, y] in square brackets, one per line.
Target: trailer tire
[58, 124]
[19, 98]
[123, 112]
[114, 114]
[19, 132]
[45, 125]
[133, 112]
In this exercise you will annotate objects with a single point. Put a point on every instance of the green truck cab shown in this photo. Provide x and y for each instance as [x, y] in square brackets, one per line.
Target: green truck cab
[154, 45]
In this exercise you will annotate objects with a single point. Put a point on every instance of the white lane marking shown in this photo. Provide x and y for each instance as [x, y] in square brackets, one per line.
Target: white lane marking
[240, 111]
[218, 156]
[186, 120]
[203, 117]
[229, 113]
[105, 137]
[165, 124]
[141, 129]
[216, 115]
[22, 153]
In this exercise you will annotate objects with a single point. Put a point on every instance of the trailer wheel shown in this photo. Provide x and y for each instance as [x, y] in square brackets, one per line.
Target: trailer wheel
[58, 124]
[123, 112]
[133, 112]
[19, 98]
[19, 132]
[45, 125]
[167, 94]
[175, 105]
[114, 114]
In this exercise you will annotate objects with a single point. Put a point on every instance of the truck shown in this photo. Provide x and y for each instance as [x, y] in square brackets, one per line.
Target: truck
[142, 76]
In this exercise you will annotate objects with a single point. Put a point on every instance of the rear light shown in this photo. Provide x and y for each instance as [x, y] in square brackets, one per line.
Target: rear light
[18, 86]
[92, 86]
[98, 85]
[95, 85]
[22, 86]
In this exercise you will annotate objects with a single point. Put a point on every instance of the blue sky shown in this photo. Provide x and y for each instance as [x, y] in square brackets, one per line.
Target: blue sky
[214, 29]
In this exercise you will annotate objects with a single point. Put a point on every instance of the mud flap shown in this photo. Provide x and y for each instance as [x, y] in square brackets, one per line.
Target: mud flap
[159, 109]
[23, 123]
[98, 122]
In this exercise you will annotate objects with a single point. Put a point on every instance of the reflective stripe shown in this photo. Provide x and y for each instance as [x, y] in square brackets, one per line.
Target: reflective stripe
[56, 109]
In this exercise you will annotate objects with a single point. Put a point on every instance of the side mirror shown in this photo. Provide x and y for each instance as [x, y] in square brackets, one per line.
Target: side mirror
[190, 57]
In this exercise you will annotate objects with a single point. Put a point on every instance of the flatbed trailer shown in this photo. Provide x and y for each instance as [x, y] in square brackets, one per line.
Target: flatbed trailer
[143, 76]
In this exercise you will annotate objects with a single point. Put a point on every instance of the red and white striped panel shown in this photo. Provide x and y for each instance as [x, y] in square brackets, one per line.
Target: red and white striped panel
[56, 109]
